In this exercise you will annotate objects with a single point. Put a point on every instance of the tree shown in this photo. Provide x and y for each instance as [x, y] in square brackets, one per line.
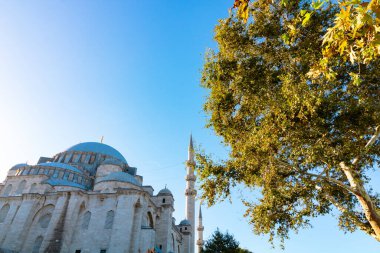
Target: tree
[354, 34]
[306, 142]
[222, 243]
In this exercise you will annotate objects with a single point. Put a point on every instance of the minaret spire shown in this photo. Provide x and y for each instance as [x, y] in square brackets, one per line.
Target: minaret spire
[191, 149]
[190, 193]
[200, 229]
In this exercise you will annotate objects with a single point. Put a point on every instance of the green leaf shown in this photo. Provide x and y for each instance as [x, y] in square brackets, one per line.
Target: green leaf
[306, 18]
[317, 4]
[356, 80]
[284, 2]
[285, 37]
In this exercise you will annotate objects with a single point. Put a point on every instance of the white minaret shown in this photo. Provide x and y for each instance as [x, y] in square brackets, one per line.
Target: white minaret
[190, 193]
[200, 229]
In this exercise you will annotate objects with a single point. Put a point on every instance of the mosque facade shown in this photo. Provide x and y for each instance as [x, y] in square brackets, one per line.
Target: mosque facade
[87, 199]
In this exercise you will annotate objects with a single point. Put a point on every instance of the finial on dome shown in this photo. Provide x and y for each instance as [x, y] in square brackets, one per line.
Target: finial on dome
[101, 139]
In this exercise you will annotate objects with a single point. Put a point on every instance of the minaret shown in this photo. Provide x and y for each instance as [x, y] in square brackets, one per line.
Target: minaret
[200, 230]
[190, 193]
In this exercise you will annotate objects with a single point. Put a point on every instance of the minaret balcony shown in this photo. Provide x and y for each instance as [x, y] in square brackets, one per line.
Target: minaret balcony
[200, 242]
[190, 192]
[190, 163]
[190, 178]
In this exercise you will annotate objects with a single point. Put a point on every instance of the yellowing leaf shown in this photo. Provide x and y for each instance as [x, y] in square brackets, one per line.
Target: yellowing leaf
[306, 18]
[243, 10]
[342, 47]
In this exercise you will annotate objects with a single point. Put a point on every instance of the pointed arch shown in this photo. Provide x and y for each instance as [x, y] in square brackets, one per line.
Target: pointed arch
[45, 210]
[41, 221]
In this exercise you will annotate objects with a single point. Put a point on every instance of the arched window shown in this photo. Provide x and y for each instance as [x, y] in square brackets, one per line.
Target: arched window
[109, 220]
[68, 158]
[86, 220]
[92, 159]
[37, 244]
[7, 190]
[75, 158]
[173, 247]
[21, 187]
[150, 219]
[163, 200]
[33, 188]
[45, 220]
[4, 212]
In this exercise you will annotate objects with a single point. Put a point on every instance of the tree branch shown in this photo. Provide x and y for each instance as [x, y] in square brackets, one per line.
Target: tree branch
[369, 143]
[328, 179]
[332, 180]
[360, 224]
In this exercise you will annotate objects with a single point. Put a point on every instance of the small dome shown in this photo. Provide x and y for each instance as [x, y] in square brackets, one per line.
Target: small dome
[165, 191]
[18, 166]
[184, 223]
[97, 147]
[120, 177]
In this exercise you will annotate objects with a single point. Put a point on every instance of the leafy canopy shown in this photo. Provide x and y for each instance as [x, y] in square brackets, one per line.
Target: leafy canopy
[305, 141]
[354, 34]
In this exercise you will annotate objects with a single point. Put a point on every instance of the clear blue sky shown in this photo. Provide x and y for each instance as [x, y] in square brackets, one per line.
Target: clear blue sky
[73, 71]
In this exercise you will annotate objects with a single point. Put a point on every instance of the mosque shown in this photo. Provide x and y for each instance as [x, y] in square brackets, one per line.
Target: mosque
[87, 199]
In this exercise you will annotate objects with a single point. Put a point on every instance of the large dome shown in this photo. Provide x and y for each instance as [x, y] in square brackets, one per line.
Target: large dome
[97, 147]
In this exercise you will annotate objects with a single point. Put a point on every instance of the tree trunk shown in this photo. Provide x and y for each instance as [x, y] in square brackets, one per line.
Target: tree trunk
[370, 210]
